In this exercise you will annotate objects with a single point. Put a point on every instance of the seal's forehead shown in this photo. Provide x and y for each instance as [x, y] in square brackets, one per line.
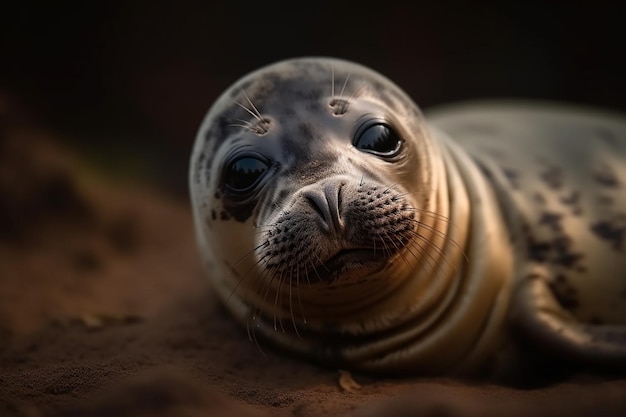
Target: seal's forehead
[294, 81]
[308, 77]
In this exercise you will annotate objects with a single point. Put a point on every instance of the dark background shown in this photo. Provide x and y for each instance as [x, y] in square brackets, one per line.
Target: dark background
[128, 84]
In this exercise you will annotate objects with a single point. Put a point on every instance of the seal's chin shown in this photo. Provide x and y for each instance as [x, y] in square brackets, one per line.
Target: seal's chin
[349, 264]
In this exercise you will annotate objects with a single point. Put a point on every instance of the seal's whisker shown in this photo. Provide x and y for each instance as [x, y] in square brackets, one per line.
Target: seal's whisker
[344, 85]
[266, 288]
[275, 299]
[258, 319]
[245, 122]
[398, 248]
[413, 254]
[253, 316]
[267, 230]
[293, 318]
[390, 245]
[257, 113]
[245, 126]
[247, 273]
[374, 244]
[321, 264]
[248, 110]
[264, 227]
[429, 213]
[443, 236]
[404, 194]
[248, 319]
[261, 260]
[314, 270]
[438, 233]
[274, 206]
[251, 251]
[438, 249]
[431, 242]
[266, 282]
[298, 292]
[332, 81]
[278, 303]
[394, 185]
[264, 285]
[386, 249]
[430, 259]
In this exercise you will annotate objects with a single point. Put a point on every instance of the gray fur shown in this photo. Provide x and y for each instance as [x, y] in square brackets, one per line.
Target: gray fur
[492, 218]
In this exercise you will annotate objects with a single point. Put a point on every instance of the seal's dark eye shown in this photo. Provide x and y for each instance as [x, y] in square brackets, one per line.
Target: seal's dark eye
[379, 139]
[243, 173]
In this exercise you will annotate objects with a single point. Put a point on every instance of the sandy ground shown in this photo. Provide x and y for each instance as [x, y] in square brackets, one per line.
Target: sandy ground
[104, 311]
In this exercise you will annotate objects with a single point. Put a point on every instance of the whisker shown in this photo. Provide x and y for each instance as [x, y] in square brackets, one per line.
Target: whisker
[401, 253]
[332, 81]
[344, 86]
[252, 334]
[278, 304]
[266, 284]
[429, 213]
[243, 277]
[408, 248]
[248, 110]
[431, 260]
[386, 250]
[251, 251]
[298, 292]
[321, 264]
[438, 233]
[394, 185]
[261, 260]
[293, 318]
[439, 249]
[257, 114]
[314, 270]
[374, 244]
[247, 127]
[442, 235]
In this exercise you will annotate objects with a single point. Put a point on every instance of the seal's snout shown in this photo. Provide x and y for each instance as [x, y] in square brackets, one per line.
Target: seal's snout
[325, 199]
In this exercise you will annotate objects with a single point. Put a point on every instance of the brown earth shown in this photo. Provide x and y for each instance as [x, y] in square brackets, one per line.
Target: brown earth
[104, 311]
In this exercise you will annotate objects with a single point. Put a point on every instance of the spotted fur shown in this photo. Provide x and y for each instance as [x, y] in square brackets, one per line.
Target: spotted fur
[486, 219]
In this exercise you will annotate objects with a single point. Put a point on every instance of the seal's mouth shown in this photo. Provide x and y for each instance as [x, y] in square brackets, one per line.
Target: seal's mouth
[347, 263]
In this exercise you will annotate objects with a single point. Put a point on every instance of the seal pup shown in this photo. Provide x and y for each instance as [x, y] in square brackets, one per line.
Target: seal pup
[339, 223]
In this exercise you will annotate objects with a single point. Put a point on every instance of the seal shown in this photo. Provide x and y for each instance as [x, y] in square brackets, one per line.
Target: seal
[339, 223]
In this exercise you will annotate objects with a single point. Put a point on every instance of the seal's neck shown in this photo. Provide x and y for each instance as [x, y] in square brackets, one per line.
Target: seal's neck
[482, 296]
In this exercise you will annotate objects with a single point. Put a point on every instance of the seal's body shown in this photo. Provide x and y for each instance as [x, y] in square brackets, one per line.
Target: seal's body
[339, 223]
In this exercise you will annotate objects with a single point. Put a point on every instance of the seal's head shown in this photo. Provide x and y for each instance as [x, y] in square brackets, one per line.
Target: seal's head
[314, 187]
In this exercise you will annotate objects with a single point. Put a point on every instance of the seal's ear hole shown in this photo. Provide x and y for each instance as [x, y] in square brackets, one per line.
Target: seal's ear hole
[242, 174]
[378, 138]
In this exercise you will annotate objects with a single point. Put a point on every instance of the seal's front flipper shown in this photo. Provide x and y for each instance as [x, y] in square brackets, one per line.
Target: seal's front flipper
[540, 319]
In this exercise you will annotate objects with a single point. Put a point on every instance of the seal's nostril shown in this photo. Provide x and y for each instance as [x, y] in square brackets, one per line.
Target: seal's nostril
[332, 192]
[339, 198]
[326, 202]
[317, 202]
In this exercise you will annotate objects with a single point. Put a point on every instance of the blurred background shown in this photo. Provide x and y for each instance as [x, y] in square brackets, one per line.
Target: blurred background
[127, 83]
